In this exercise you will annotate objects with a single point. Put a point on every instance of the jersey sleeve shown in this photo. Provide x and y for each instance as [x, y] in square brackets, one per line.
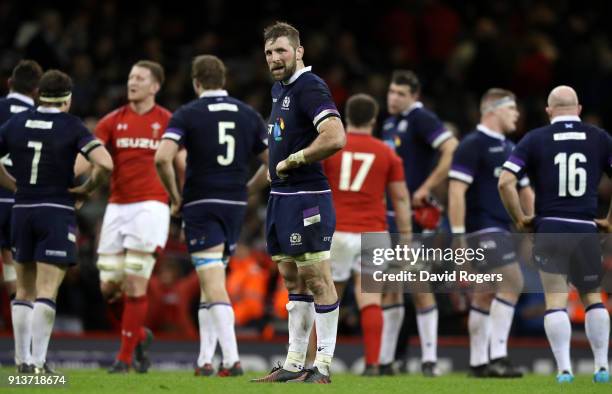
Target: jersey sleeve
[396, 170]
[104, 129]
[519, 158]
[86, 142]
[177, 128]
[465, 161]
[261, 138]
[432, 130]
[316, 101]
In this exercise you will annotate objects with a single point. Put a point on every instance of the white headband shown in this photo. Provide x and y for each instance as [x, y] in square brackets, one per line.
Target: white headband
[502, 102]
[60, 99]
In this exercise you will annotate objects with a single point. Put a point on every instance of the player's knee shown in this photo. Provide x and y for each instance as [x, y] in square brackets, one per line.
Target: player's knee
[139, 264]
[111, 268]
[317, 285]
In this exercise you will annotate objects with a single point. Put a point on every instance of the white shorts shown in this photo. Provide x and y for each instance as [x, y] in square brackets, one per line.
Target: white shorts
[345, 255]
[140, 226]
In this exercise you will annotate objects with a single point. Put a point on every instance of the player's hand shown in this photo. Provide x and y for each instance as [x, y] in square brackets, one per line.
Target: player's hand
[419, 198]
[525, 225]
[282, 169]
[175, 207]
[80, 193]
[604, 225]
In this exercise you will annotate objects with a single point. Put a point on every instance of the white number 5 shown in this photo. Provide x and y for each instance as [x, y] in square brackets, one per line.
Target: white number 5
[228, 139]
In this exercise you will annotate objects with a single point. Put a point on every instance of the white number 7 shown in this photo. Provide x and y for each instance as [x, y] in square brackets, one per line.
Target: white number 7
[35, 160]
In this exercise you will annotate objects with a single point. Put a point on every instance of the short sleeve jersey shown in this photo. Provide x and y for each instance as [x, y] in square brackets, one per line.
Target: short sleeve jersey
[478, 162]
[221, 135]
[358, 176]
[132, 140]
[564, 161]
[43, 145]
[416, 135]
[299, 106]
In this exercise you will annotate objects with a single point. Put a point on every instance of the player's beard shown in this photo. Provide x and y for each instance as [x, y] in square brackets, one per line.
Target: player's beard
[289, 71]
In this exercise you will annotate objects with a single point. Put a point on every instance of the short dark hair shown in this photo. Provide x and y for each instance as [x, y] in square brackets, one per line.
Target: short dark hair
[209, 71]
[26, 76]
[282, 29]
[157, 71]
[361, 109]
[406, 77]
[54, 85]
[492, 95]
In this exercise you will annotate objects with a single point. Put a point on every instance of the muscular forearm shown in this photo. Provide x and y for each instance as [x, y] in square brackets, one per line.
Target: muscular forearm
[6, 180]
[403, 215]
[456, 210]
[165, 171]
[259, 181]
[99, 176]
[510, 198]
[330, 140]
[440, 172]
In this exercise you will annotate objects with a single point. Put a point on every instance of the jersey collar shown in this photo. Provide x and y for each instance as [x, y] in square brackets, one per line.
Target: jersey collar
[493, 134]
[414, 106]
[296, 75]
[565, 118]
[214, 93]
[21, 97]
[48, 110]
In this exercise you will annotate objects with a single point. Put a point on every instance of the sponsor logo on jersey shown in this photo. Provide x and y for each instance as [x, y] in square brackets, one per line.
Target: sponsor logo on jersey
[276, 129]
[402, 126]
[295, 239]
[140, 143]
[496, 149]
[122, 126]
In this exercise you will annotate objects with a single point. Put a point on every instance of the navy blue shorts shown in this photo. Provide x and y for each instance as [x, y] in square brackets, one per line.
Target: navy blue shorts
[572, 249]
[210, 224]
[5, 224]
[45, 234]
[499, 249]
[300, 223]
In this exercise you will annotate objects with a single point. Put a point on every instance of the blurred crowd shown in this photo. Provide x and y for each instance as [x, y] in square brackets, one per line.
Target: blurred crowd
[459, 49]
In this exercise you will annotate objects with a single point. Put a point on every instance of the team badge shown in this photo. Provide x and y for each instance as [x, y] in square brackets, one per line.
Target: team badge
[295, 239]
[286, 102]
[156, 127]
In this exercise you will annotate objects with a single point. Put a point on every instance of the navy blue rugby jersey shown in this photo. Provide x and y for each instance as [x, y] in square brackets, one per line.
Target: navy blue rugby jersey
[43, 144]
[298, 108]
[478, 162]
[416, 135]
[221, 135]
[564, 161]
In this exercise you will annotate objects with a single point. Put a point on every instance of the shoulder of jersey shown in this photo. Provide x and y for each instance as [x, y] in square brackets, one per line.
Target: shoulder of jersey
[166, 112]
[114, 113]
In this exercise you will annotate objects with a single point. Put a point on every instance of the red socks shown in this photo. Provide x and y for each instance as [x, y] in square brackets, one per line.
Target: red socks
[371, 326]
[132, 330]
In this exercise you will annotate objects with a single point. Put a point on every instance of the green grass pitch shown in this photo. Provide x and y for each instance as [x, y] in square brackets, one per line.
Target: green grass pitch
[98, 381]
